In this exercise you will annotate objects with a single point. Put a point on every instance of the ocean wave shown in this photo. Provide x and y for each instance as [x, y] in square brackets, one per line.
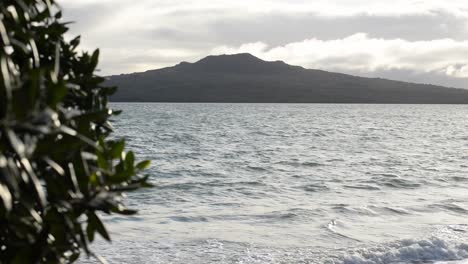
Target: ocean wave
[410, 251]
[256, 168]
[460, 179]
[315, 187]
[345, 209]
[299, 164]
[394, 210]
[332, 227]
[285, 215]
[269, 179]
[398, 183]
[362, 187]
[203, 185]
[450, 207]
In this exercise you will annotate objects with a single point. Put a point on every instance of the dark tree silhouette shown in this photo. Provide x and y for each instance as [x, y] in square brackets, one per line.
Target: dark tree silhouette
[58, 167]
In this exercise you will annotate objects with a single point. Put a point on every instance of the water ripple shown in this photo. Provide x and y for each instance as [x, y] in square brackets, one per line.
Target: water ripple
[260, 183]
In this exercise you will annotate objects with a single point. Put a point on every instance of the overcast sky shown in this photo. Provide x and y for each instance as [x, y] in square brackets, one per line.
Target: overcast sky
[412, 40]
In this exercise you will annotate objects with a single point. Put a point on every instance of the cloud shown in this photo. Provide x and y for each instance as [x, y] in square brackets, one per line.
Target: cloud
[403, 38]
[364, 55]
[282, 28]
[269, 20]
[322, 7]
[126, 60]
[438, 78]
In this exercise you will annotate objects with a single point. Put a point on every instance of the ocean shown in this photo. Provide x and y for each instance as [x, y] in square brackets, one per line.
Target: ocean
[295, 183]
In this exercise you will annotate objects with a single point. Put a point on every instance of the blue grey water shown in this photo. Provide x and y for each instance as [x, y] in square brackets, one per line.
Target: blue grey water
[295, 183]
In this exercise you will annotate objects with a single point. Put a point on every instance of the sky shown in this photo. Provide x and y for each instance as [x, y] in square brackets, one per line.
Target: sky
[422, 41]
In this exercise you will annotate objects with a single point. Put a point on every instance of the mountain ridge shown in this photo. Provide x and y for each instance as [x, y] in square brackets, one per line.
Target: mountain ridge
[246, 78]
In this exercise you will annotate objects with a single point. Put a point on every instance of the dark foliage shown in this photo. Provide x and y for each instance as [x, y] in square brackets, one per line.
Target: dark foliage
[58, 169]
[246, 79]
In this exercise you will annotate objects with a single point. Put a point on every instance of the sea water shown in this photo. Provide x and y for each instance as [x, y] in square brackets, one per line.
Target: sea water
[295, 183]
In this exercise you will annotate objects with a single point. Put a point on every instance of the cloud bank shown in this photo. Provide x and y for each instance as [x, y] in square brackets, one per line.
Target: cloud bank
[360, 53]
[411, 40]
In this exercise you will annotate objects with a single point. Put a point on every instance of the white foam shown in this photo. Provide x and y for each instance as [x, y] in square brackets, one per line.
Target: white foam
[453, 262]
[430, 250]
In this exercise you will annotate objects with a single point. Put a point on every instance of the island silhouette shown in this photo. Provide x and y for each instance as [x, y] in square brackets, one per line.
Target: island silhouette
[244, 78]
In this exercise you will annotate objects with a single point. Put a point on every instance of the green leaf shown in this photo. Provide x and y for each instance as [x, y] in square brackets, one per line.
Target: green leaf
[129, 160]
[56, 93]
[22, 256]
[94, 59]
[117, 149]
[143, 165]
[102, 161]
[90, 231]
[75, 42]
[60, 165]
[94, 179]
[124, 211]
[95, 224]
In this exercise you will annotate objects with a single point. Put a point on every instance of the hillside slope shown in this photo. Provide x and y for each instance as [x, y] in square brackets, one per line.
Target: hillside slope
[245, 78]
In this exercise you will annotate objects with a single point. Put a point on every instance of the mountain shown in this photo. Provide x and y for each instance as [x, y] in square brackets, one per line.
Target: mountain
[246, 78]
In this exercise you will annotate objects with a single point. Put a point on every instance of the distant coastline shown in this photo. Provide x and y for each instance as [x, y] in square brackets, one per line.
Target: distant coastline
[282, 102]
[243, 78]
